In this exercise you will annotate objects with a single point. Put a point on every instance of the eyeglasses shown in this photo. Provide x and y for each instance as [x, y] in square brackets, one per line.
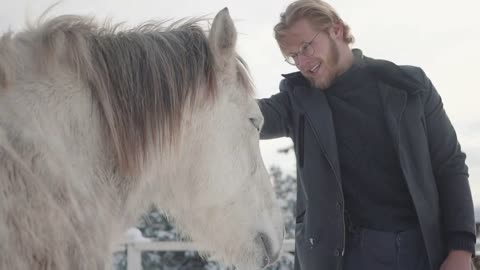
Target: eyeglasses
[305, 49]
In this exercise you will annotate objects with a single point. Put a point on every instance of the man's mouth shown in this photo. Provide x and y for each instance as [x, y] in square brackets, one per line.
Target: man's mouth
[315, 68]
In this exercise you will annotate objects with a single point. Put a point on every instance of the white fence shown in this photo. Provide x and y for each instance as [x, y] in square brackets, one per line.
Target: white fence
[134, 249]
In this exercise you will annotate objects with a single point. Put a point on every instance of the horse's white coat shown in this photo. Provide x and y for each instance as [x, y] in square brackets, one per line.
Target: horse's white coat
[64, 196]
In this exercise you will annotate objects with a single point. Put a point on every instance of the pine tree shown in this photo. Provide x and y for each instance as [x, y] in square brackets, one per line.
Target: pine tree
[285, 190]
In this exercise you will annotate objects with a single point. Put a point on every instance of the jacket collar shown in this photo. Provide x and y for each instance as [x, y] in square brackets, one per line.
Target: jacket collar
[318, 114]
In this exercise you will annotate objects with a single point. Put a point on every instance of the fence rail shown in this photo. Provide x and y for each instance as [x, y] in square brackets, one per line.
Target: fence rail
[134, 249]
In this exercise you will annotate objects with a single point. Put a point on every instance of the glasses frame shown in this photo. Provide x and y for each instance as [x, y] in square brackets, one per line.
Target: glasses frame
[302, 49]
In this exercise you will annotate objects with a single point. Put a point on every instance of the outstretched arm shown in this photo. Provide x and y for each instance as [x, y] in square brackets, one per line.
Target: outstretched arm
[277, 115]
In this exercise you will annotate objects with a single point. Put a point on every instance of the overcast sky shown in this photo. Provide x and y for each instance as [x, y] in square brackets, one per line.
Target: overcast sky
[442, 37]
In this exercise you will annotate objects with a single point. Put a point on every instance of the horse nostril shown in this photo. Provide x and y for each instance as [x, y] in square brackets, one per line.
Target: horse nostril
[270, 255]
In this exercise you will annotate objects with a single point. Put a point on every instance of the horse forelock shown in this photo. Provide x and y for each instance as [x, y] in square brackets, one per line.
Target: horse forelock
[142, 78]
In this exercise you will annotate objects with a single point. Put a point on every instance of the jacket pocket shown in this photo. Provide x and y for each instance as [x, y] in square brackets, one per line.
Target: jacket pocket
[300, 140]
[300, 217]
[424, 124]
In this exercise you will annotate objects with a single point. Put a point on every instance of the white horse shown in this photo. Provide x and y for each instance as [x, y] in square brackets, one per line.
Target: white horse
[97, 123]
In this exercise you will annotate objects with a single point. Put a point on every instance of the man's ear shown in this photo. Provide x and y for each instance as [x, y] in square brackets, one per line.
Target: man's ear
[336, 31]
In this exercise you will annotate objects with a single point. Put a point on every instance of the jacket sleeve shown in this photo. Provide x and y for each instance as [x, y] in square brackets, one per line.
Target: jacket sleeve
[277, 114]
[448, 163]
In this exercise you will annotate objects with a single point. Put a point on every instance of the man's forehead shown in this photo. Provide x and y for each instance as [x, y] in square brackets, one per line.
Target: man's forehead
[292, 37]
[299, 28]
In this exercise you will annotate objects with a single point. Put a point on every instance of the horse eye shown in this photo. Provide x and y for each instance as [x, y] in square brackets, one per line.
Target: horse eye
[256, 122]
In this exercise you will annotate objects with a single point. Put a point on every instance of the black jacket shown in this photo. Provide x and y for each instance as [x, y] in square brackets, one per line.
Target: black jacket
[425, 141]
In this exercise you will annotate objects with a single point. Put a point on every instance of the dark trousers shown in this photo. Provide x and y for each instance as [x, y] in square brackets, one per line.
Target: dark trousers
[376, 250]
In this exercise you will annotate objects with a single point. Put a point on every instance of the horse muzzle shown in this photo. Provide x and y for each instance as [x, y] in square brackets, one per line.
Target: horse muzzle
[271, 252]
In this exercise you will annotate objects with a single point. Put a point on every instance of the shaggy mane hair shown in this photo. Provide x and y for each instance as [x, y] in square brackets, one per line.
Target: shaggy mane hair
[142, 78]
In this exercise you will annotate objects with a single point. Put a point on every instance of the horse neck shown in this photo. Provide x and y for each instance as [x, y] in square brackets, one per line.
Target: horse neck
[50, 129]
[58, 121]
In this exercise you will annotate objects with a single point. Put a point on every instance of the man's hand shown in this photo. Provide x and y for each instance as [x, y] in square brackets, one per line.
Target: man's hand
[457, 260]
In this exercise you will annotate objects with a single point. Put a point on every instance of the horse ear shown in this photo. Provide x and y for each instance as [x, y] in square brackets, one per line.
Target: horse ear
[223, 35]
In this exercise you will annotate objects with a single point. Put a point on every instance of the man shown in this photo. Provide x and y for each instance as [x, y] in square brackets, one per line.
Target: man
[382, 181]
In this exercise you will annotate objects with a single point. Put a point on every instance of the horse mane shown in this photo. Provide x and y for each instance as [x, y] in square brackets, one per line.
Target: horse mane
[142, 78]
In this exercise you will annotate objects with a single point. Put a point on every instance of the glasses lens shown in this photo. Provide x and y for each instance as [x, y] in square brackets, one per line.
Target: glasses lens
[307, 49]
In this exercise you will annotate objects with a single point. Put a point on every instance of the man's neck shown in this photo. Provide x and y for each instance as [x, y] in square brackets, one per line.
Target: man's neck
[345, 62]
